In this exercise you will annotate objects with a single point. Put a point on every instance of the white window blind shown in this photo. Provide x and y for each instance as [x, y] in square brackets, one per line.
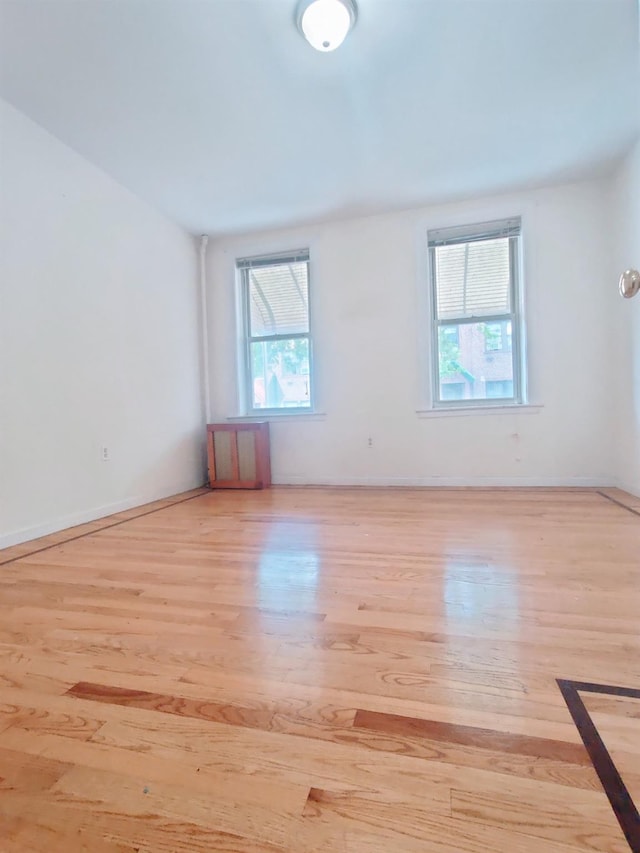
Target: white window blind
[473, 279]
[473, 268]
[484, 231]
[299, 255]
[279, 299]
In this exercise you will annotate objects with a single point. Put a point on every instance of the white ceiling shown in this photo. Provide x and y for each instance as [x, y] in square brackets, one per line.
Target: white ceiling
[219, 114]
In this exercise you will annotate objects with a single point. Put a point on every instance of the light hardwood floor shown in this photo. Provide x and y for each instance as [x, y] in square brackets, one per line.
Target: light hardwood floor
[354, 671]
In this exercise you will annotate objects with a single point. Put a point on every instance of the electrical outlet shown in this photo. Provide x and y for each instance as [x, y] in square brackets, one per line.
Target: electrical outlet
[370, 442]
[104, 454]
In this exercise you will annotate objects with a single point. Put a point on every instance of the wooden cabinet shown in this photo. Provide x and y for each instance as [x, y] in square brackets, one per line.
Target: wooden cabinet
[239, 455]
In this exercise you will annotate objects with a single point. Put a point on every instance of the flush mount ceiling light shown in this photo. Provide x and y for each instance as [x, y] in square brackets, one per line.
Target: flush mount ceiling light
[326, 23]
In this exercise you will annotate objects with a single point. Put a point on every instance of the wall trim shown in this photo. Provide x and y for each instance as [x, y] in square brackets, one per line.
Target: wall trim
[631, 488]
[470, 482]
[472, 411]
[277, 417]
[25, 534]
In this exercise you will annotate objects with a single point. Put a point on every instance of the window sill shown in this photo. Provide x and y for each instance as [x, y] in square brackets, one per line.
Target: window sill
[279, 416]
[470, 411]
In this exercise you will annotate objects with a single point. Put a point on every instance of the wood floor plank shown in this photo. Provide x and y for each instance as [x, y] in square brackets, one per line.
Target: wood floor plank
[79, 821]
[320, 671]
[139, 798]
[587, 826]
[29, 773]
[366, 825]
[271, 756]
[472, 736]
[177, 705]
[37, 835]
[243, 684]
[44, 720]
[192, 769]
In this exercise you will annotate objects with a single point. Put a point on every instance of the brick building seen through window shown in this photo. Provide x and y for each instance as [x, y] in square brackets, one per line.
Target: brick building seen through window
[485, 351]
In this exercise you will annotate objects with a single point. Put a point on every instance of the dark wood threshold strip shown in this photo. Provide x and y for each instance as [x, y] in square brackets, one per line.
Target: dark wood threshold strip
[614, 787]
[198, 709]
[618, 503]
[100, 529]
[472, 736]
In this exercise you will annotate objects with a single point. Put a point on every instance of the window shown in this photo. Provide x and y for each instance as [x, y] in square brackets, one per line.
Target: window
[450, 336]
[499, 388]
[497, 337]
[452, 390]
[277, 342]
[477, 349]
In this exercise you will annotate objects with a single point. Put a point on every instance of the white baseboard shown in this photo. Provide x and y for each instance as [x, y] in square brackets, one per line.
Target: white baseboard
[25, 534]
[515, 482]
[631, 488]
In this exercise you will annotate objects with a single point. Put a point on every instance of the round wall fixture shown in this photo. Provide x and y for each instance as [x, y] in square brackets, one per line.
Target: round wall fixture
[326, 23]
[629, 283]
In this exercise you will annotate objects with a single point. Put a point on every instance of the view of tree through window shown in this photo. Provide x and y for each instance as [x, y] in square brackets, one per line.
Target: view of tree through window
[278, 346]
[280, 373]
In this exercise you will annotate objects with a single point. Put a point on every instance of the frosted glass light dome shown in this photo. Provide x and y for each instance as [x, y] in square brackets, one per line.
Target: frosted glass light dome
[326, 23]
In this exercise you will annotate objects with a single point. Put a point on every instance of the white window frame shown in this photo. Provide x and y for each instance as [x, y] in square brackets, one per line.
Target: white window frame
[243, 272]
[472, 233]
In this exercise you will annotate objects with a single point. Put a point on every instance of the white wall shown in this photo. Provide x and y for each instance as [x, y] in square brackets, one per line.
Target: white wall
[98, 341]
[625, 220]
[368, 279]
